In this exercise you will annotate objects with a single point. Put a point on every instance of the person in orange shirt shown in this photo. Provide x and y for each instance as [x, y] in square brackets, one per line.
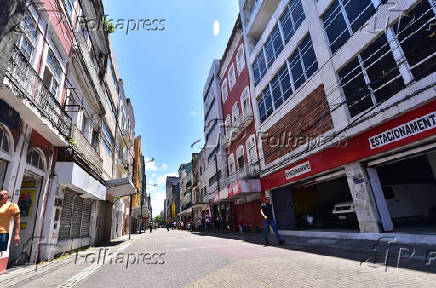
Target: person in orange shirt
[8, 210]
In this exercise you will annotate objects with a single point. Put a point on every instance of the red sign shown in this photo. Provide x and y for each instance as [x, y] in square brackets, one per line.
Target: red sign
[364, 145]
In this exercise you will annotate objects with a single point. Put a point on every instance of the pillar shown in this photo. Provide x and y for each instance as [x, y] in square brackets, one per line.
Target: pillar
[363, 199]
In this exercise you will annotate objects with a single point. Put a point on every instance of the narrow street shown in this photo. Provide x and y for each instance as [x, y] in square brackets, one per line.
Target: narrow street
[195, 260]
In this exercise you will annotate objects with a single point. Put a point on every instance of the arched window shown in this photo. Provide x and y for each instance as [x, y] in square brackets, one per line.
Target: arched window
[240, 157]
[251, 150]
[231, 162]
[245, 102]
[228, 124]
[36, 159]
[235, 113]
[4, 141]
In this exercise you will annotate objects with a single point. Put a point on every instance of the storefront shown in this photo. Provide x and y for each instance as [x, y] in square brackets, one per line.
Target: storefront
[239, 205]
[389, 171]
[78, 194]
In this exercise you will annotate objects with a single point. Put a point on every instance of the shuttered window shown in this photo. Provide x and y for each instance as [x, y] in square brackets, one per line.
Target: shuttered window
[86, 218]
[67, 206]
[75, 216]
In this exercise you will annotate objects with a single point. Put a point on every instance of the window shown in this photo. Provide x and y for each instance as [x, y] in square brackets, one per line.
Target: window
[28, 40]
[224, 91]
[235, 113]
[302, 65]
[251, 150]
[240, 157]
[35, 159]
[106, 139]
[231, 161]
[240, 59]
[232, 77]
[371, 77]
[273, 46]
[291, 19]
[69, 5]
[344, 18]
[112, 72]
[29, 27]
[416, 40]
[211, 130]
[4, 142]
[109, 101]
[228, 124]
[52, 74]
[212, 154]
[245, 102]
[259, 67]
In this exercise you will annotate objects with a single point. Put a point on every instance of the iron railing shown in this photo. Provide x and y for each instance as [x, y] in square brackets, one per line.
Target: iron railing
[30, 87]
[82, 145]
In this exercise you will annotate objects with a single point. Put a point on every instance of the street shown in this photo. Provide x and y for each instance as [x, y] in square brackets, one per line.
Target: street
[183, 259]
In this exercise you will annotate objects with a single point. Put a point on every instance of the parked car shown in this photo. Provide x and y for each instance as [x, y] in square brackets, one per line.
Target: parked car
[345, 214]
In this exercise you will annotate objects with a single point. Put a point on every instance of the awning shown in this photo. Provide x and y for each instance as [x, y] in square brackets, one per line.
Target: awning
[201, 206]
[120, 187]
[238, 187]
[185, 212]
[74, 177]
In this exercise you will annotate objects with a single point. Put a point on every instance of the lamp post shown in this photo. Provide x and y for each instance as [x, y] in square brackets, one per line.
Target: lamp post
[144, 191]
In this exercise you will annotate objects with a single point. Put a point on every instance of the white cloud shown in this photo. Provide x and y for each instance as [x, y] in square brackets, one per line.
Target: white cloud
[216, 28]
[153, 175]
[193, 113]
[150, 165]
[164, 166]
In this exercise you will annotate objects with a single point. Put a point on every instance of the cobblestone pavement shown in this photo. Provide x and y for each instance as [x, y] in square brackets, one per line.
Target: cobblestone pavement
[183, 259]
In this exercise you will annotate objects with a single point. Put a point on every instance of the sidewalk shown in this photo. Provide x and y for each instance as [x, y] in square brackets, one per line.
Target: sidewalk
[54, 272]
[405, 254]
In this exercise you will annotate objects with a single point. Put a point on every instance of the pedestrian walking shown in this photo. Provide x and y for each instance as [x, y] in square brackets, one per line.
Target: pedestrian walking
[8, 211]
[151, 227]
[207, 225]
[168, 226]
[266, 212]
[200, 224]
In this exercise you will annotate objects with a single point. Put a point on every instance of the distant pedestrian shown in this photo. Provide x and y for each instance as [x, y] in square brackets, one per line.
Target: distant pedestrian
[207, 225]
[168, 226]
[151, 227]
[200, 224]
[266, 212]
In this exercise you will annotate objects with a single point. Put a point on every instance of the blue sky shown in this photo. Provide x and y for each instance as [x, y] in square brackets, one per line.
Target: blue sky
[164, 73]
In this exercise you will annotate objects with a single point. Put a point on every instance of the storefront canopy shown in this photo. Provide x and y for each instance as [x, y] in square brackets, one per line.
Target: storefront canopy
[185, 212]
[236, 188]
[120, 187]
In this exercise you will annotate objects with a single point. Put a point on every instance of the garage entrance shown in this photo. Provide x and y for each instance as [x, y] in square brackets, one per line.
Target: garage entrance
[409, 187]
[324, 205]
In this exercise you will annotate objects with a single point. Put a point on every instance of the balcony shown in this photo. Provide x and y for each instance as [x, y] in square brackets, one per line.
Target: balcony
[226, 140]
[257, 14]
[246, 119]
[26, 92]
[82, 145]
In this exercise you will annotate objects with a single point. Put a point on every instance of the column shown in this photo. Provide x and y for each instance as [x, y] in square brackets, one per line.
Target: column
[363, 199]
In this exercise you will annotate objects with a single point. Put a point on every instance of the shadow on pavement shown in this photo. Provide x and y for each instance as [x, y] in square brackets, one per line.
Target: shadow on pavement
[377, 254]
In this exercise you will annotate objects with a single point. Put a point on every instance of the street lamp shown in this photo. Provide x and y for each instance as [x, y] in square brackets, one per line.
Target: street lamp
[143, 192]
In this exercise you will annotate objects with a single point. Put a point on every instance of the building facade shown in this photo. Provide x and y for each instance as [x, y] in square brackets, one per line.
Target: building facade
[344, 111]
[239, 198]
[57, 127]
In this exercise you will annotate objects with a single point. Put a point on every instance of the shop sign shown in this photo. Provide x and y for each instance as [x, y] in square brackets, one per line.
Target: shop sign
[298, 170]
[408, 129]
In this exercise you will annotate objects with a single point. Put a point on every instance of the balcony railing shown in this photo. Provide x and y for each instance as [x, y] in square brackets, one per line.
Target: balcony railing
[30, 87]
[81, 144]
[246, 119]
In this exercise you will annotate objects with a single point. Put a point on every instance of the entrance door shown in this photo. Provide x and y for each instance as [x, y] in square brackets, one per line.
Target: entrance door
[28, 204]
[284, 208]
